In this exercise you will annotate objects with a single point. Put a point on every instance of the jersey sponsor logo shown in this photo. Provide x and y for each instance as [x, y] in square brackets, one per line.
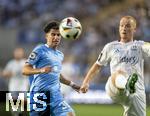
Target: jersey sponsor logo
[32, 55]
[132, 60]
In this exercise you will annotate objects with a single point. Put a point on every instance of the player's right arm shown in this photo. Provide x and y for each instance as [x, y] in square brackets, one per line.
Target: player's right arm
[90, 75]
[29, 70]
[103, 59]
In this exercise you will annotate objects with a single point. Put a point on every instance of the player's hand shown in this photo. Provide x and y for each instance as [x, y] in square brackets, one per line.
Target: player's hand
[84, 87]
[75, 87]
[45, 69]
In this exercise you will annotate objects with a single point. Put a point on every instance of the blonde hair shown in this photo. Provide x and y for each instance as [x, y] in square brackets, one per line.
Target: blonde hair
[130, 18]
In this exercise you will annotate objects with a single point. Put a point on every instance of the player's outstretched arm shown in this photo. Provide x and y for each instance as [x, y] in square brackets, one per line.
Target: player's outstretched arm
[69, 83]
[29, 70]
[90, 75]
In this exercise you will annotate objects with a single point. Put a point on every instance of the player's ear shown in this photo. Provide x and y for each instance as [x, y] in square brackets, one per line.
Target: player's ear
[134, 29]
[46, 35]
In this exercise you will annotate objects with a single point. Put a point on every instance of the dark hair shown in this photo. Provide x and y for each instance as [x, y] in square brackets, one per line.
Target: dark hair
[51, 25]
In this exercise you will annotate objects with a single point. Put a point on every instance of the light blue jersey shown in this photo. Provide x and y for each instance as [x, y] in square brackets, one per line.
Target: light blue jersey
[48, 83]
[43, 56]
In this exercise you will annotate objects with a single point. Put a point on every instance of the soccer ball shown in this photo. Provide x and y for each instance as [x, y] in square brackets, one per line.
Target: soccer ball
[70, 28]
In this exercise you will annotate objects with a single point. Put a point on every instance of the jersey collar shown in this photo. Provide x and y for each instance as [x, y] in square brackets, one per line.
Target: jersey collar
[46, 45]
[49, 47]
[126, 43]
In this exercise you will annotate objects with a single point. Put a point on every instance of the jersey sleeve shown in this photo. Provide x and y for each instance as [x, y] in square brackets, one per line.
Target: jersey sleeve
[34, 56]
[146, 49]
[104, 56]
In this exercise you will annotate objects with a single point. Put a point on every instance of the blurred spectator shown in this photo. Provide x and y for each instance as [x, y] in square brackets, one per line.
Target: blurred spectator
[13, 71]
[3, 82]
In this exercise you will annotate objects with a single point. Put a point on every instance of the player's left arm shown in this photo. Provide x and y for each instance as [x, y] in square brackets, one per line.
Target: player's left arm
[69, 83]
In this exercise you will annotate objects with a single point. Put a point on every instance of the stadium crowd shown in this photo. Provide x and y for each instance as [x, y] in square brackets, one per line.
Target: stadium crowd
[28, 16]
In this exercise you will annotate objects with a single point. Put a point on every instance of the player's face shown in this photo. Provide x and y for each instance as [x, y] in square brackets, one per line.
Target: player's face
[53, 38]
[126, 29]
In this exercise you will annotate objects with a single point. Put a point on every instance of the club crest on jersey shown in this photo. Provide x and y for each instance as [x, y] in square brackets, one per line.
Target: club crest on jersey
[134, 48]
[32, 55]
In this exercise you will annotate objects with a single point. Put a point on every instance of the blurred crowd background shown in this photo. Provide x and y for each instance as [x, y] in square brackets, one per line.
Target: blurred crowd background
[22, 21]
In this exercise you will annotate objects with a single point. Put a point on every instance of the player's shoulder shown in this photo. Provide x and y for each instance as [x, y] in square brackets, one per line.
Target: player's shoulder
[138, 42]
[114, 43]
[39, 47]
[12, 61]
[111, 44]
[60, 53]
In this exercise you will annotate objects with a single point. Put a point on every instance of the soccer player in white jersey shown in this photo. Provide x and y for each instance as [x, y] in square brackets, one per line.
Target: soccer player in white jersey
[125, 85]
[17, 82]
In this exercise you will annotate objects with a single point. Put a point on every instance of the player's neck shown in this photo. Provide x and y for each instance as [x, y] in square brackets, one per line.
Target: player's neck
[123, 40]
[52, 47]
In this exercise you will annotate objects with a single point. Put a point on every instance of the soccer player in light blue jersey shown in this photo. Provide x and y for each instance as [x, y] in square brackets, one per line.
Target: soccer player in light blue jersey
[45, 63]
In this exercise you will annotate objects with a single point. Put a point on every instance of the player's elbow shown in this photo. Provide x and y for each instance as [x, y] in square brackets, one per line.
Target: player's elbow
[25, 72]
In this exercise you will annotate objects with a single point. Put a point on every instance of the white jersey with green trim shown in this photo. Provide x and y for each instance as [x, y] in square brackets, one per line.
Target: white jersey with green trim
[128, 57]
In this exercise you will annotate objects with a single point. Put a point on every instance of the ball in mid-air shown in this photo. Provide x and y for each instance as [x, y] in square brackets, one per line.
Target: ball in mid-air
[70, 28]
